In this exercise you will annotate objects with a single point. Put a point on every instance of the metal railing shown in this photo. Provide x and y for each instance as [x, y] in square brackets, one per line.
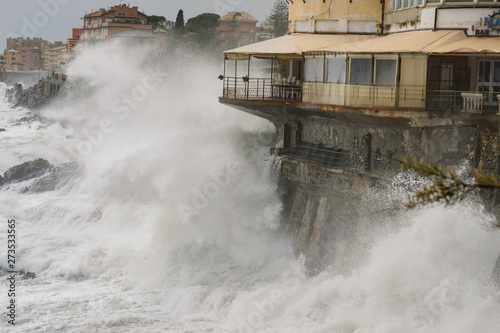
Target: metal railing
[262, 89]
[463, 101]
[377, 96]
[329, 157]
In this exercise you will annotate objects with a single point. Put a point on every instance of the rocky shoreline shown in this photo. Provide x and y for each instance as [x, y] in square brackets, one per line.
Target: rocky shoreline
[46, 176]
[31, 98]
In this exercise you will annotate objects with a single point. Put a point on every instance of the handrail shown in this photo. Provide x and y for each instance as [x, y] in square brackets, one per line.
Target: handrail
[330, 157]
[261, 89]
[416, 97]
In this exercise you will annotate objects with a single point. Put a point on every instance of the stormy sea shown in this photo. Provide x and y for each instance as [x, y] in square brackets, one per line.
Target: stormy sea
[147, 206]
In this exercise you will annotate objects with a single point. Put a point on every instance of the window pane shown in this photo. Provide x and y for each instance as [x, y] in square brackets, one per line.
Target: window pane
[385, 71]
[361, 71]
[484, 69]
[314, 70]
[496, 73]
[335, 70]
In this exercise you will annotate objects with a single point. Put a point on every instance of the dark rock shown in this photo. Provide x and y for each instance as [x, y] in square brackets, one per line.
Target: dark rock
[57, 177]
[26, 171]
[1, 180]
[27, 275]
[32, 97]
[2, 129]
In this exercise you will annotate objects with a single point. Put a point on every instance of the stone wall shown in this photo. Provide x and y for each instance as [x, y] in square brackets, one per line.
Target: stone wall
[323, 205]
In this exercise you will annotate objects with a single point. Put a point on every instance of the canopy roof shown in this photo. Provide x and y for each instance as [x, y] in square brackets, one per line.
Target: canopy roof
[471, 45]
[425, 41]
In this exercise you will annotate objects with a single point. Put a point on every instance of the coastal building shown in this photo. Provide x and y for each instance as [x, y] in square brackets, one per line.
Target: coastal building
[31, 57]
[74, 41]
[55, 55]
[11, 61]
[23, 54]
[365, 55]
[240, 26]
[265, 30]
[357, 85]
[15, 43]
[105, 23]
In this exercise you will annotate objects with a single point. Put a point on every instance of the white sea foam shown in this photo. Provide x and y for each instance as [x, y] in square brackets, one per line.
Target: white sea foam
[130, 245]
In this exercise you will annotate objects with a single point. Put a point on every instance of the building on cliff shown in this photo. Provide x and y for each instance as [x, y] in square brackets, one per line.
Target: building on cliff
[356, 85]
[118, 22]
[103, 23]
[240, 26]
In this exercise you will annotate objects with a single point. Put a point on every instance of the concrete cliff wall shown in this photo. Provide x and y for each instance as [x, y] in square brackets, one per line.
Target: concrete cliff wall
[323, 202]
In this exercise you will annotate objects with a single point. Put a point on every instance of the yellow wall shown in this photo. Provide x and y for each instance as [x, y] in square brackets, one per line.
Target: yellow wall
[360, 16]
[18, 60]
[61, 56]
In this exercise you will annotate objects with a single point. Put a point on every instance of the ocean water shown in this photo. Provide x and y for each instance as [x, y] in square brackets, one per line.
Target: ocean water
[170, 222]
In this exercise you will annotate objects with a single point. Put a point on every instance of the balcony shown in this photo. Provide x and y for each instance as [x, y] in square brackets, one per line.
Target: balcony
[403, 97]
[262, 89]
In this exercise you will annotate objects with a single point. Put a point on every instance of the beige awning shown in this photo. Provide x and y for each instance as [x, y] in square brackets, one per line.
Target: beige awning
[425, 41]
[292, 45]
[471, 45]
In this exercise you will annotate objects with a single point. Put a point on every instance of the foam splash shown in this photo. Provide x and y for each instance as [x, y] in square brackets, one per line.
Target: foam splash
[174, 225]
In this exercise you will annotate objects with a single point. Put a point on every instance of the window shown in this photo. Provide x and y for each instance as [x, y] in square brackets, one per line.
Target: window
[402, 4]
[336, 70]
[314, 70]
[244, 25]
[223, 24]
[385, 71]
[361, 71]
[488, 78]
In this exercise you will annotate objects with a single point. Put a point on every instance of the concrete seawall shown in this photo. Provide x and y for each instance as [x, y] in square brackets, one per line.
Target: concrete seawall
[335, 158]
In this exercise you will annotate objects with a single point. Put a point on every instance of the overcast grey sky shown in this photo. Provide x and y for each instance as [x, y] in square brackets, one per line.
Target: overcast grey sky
[53, 19]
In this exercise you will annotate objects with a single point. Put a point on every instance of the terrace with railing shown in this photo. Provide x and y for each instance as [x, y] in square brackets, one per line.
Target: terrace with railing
[362, 95]
[262, 89]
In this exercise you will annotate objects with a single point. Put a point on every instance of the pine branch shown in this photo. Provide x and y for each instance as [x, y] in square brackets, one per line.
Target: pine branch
[447, 186]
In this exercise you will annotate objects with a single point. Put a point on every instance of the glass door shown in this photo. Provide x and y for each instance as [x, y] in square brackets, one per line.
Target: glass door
[489, 79]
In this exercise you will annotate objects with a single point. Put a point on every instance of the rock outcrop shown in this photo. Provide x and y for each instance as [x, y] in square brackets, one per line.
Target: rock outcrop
[58, 175]
[26, 171]
[48, 177]
[32, 97]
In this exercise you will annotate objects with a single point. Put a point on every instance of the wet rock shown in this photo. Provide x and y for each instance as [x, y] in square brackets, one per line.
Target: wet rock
[27, 275]
[57, 177]
[32, 97]
[2, 129]
[25, 171]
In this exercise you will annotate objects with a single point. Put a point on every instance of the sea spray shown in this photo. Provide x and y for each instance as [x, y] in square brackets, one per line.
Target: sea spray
[114, 253]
